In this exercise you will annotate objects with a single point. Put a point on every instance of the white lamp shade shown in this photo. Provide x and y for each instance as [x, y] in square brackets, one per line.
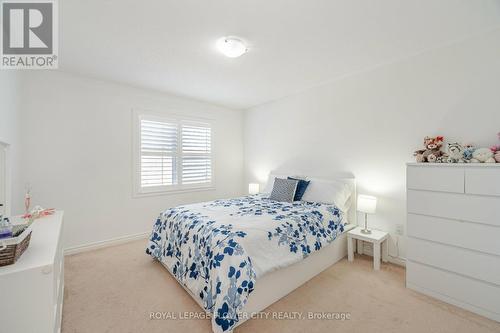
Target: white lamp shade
[253, 188]
[367, 204]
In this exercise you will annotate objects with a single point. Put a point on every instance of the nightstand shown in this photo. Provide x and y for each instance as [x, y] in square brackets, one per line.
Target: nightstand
[377, 238]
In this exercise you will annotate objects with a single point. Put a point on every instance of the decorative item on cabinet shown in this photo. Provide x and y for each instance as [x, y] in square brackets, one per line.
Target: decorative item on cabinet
[455, 152]
[496, 150]
[27, 199]
[431, 151]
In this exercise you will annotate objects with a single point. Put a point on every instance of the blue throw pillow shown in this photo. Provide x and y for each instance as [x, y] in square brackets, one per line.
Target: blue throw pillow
[301, 188]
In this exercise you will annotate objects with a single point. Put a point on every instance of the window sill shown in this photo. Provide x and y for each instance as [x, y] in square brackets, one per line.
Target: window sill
[171, 192]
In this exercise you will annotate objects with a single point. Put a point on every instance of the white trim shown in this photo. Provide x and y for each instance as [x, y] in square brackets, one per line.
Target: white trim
[397, 261]
[173, 191]
[105, 243]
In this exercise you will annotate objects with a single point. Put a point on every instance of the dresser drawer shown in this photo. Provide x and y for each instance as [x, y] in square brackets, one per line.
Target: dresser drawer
[472, 208]
[483, 180]
[435, 178]
[474, 236]
[472, 294]
[485, 267]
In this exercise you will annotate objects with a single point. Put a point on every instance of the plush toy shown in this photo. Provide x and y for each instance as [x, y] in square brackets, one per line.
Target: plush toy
[432, 150]
[442, 159]
[455, 153]
[468, 151]
[482, 155]
[496, 151]
[432, 156]
[496, 154]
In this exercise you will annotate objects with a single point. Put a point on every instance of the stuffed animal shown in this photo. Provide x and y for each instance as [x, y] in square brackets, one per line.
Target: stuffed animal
[468, 151]
[432, 150]
[496, 151]
[442, 159]
[482, 155]
[432, 156]
[455, 153]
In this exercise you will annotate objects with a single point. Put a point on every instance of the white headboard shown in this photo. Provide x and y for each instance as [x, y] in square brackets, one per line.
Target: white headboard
[352, 214]
[346, 177]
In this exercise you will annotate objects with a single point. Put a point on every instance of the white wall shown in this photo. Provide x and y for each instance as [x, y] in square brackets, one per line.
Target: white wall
[9, 104]
[76, 152]
[370, 123]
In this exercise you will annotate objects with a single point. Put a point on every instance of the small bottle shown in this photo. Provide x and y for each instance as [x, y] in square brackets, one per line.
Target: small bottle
[5, 227]
[27, 200]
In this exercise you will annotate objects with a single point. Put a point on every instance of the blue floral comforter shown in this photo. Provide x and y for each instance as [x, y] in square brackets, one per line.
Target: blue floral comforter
[218, 249]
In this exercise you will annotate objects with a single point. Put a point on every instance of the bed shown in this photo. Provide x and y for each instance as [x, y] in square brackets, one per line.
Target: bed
[237, 256]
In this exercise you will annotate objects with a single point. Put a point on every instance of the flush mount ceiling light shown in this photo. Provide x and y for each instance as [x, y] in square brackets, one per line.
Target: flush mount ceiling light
[231, 47]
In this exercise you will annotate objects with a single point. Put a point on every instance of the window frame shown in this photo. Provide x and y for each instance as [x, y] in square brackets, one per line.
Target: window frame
[138, 189]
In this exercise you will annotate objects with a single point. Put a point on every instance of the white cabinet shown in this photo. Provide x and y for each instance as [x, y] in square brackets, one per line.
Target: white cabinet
[482, 181]
[453, 226]
[461, 207]
[435, 178]
[32, 290]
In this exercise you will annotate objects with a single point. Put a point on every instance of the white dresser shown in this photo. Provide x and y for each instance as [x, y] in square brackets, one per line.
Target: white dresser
[32, 290]
[453, 232]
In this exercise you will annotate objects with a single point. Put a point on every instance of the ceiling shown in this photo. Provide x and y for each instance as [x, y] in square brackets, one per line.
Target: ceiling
[169, 45]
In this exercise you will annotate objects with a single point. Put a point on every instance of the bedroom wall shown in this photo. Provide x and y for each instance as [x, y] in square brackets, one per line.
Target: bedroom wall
[9, 111]
[77, 154]
[371, 122]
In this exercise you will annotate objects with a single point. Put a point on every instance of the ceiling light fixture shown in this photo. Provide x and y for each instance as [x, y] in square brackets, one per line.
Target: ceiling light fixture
[231, 47]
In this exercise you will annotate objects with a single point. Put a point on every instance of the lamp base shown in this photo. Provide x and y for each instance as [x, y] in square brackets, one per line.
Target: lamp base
[366, 231]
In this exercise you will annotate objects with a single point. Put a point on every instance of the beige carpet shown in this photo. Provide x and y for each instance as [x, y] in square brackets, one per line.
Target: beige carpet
[115, 289]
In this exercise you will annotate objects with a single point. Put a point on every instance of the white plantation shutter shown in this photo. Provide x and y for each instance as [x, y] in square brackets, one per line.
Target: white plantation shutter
[158, 153]
[196, 154]
[173, 154]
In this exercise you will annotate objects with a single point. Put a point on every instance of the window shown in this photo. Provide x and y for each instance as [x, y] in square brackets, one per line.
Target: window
[196, 154]
[158, 153]
[172, 154]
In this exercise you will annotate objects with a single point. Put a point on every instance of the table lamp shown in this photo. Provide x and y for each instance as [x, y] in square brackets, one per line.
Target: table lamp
[368, 205]
[253, 188]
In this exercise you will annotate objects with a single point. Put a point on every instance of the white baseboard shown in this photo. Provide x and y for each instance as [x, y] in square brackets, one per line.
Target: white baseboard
[368, 250]
[397, 261]
[105, 243]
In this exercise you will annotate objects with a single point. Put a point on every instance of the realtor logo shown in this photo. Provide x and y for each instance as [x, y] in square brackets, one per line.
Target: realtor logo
[29, 34]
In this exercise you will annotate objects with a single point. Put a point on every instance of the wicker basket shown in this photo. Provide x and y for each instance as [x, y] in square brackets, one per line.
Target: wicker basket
[12, 248]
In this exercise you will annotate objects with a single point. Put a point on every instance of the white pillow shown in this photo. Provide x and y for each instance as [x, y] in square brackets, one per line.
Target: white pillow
[329, 192]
